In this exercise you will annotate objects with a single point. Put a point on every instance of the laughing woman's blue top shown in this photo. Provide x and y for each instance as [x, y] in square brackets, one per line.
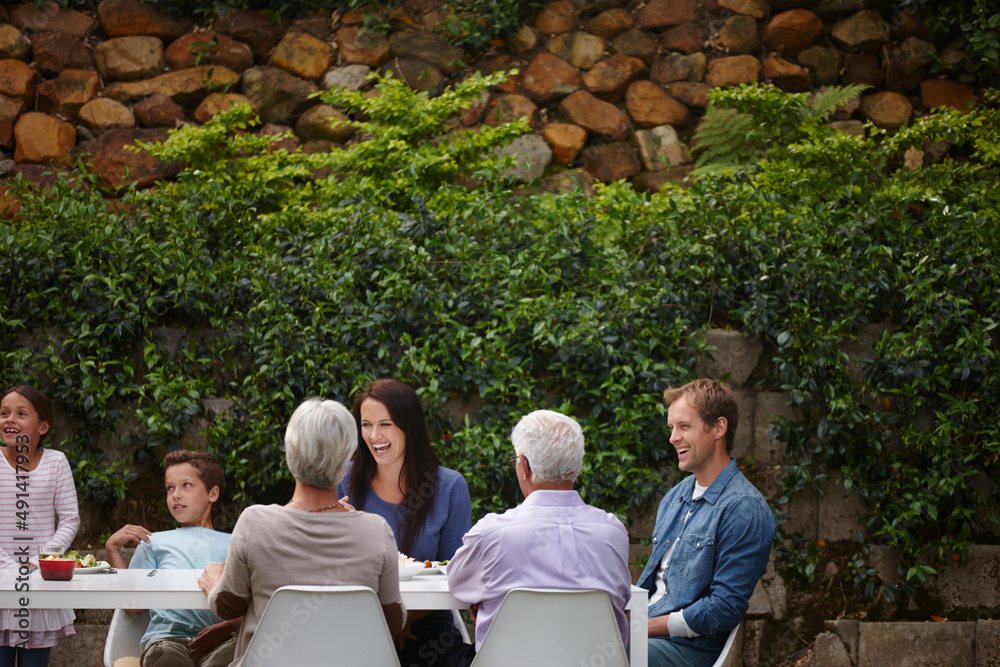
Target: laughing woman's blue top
[448, 521]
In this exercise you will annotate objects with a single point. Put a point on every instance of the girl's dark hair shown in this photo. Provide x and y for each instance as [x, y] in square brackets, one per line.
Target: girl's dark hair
[419, 474]
[38, 400]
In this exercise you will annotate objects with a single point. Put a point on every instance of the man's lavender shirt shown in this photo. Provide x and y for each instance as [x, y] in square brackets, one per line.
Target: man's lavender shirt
[551, 540]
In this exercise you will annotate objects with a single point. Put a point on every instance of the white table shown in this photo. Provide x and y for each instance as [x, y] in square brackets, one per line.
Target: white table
[178, 589]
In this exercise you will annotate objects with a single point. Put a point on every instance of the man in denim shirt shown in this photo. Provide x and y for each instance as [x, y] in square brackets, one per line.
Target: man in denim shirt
[712, 537]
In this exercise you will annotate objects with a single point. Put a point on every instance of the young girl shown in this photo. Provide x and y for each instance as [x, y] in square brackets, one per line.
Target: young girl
[48, 514]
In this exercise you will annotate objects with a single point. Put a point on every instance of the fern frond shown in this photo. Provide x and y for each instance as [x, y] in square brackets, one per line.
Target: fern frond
[724, 137]
[825, 102]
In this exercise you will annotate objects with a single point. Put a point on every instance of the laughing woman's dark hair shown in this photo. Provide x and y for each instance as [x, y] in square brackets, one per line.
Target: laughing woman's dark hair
[419, 475]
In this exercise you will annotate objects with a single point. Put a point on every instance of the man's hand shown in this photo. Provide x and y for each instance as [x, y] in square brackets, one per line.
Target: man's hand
[124, 536]
[214, 635]
[209, 579]
[658, 626]
[473, 611]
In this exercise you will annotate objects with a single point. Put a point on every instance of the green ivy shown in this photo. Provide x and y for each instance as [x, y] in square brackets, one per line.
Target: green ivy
[407, 254]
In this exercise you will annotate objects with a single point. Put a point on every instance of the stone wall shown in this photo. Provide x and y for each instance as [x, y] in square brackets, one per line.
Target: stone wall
[611, 88]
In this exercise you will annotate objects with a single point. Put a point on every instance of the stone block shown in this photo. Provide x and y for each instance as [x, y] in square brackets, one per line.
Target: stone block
[660, 148]
[987, 643]
[803, 515]
[743, 444]
[610, 162]
[753, 642]
[760, 604]
[974, 584]
[352, 77]
[766, 450]
[566, 139]
[839, 515]
[532, 156]
[829, 651]
[601, 119]
[611, 23]
[886, 560]
[733, 71]
[916, 644]
[789, 33]
[847, 632]
[733, 354]
[773, 586]
[580, 49]
[650, 106]
[864, 31]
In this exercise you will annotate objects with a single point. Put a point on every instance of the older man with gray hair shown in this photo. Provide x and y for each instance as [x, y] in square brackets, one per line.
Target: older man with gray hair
[551, 540]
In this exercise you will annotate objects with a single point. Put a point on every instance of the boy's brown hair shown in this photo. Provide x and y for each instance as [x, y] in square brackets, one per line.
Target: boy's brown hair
[209, 470]
[711, 399]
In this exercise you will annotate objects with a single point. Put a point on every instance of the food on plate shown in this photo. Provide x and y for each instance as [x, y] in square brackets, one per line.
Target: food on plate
[83, 561]
[406, 560]
[427, 563]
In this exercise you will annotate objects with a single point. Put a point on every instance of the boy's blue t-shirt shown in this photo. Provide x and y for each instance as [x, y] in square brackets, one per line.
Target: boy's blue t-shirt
[180, 549]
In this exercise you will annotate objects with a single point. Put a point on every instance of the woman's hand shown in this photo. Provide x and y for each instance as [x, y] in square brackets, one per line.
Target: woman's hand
[405, 633]
[209, 579]
[346, 505]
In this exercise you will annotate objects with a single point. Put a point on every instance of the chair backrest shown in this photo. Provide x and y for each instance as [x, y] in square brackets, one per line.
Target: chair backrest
[313, 625]
[550, 628]
[721, 661]
[124, 635]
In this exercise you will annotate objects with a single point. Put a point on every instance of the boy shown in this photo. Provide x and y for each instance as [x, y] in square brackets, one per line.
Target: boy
[193, 483]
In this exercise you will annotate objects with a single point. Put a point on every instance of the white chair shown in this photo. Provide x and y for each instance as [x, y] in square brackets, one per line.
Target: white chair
[728, 647]
[542, 627]
[124, 635]
[460, 624]
[314, 625]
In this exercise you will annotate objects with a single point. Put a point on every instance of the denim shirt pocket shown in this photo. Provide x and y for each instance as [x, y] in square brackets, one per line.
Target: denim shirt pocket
[697, 556]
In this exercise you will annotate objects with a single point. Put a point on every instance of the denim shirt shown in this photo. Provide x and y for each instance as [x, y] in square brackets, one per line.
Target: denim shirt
[721, 551]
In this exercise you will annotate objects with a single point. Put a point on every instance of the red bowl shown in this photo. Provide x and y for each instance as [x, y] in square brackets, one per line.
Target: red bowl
[60, 569]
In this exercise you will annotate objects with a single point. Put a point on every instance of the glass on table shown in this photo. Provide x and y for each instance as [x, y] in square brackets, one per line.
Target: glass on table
[53, 563]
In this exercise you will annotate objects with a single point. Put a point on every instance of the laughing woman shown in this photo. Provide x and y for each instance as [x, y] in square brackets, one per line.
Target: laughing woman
[396, 475]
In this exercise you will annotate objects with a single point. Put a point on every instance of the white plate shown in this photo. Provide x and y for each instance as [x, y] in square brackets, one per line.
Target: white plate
[435, 568]
[101, 566]
[410, 571]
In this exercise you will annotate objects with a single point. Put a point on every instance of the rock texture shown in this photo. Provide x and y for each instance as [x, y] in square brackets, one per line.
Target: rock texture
[612, 89]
